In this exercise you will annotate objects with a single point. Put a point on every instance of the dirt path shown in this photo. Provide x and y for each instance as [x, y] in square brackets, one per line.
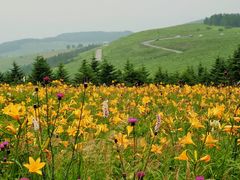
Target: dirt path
[148, 43]
[98, 54]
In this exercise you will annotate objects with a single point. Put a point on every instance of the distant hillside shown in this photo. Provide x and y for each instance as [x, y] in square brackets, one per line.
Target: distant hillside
[64, 58]
[31, 46]
[227, 20]
[173, 48]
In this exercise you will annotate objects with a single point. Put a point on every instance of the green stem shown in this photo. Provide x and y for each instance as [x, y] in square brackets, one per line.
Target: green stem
[121, 161]
[76, 136]
[149, 152]
[134, 150]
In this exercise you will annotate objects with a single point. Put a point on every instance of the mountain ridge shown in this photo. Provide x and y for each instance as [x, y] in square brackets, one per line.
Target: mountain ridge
[21, 46]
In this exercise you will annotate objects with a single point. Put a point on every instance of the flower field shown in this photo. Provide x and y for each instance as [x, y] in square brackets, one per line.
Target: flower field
[57, 131]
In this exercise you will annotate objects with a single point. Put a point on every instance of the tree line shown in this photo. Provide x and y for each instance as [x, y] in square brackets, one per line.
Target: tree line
[227, 20]
[222, 72]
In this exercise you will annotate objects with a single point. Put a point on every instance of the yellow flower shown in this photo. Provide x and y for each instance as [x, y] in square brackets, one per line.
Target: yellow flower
[2, 99]
[183, 156]
[231, 129]
[35, 166]
[210, 141]
[122, 140]
[72, 131]
[237, 119]
[14, 110]
[187, 139]
[156, 149]
[11, 129]
[216, 111]
[205, 158]
[129, 129]
[145, 99]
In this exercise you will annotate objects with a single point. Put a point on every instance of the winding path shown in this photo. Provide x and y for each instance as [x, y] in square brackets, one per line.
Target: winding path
[98, 54]
[148, 43]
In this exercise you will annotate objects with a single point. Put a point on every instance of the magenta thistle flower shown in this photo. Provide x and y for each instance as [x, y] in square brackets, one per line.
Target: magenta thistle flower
[46, 80]
[199, 178]
[140, 174]
[24, 178]
[5, 143]
[60, 96]
[2, 146]
[132, 121]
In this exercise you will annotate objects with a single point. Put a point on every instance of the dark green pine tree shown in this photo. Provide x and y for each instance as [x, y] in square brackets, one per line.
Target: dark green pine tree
[84, 74]
[16, 74]
[218, 72]
[189, 76]
[40, 70]
[205, 77]
[143, 76]
[200, 74]
[159, 76]
[1, 77]
[7, 77]
[233, 68]
[119, 77]
[61, 73]
[174, 78]
[107, 73]
[130, 74]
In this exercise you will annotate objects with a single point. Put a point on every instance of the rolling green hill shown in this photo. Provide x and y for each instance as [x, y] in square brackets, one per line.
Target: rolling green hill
[193, 43]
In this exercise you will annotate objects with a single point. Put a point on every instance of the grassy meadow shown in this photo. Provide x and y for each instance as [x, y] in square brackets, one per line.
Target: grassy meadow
[58, 131]
[205, 45]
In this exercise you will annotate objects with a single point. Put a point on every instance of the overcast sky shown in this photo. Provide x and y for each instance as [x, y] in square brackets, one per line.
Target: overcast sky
[42, 18]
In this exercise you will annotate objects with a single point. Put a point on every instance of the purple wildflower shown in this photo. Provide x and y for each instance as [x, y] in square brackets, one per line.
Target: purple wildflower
[140, 174]
[24, 178]
[199, 178]
[46, 80]
[1, 146]
[132, 121]
[5, 143]
[60, 96]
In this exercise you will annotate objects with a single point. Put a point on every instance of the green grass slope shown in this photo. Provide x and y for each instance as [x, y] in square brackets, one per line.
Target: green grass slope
[199, 43]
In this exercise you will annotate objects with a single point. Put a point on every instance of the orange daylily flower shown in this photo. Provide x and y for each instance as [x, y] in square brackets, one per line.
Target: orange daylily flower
[210, 141]
[186, 139]
[14, 110]
[183, 156]
[231, 129]
[216, 111]
[122, 140]
[156, 149]
[206, 158]
[11, 129]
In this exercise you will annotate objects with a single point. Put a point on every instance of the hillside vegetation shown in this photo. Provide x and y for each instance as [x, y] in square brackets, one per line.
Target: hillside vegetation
[198, 43]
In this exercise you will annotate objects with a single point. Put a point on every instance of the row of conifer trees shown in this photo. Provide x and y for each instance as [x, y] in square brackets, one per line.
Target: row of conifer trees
[223, 71]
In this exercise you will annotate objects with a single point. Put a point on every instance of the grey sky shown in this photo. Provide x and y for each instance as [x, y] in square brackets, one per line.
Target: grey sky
[42, 18]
